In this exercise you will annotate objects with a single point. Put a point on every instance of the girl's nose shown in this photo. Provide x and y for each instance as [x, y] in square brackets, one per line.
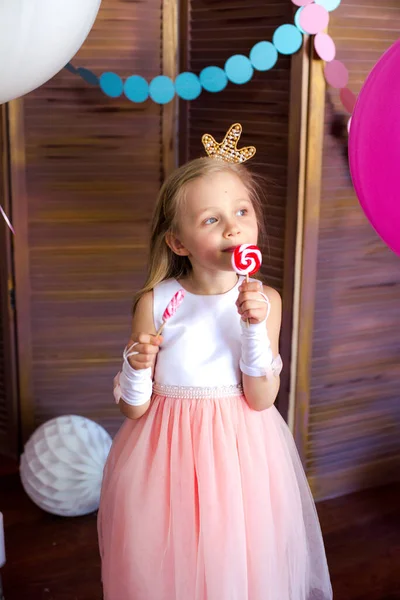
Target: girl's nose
[232, 229]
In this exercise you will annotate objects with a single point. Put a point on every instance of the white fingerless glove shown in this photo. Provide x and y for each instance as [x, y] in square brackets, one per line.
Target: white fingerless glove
[134, 386]
[257, 359]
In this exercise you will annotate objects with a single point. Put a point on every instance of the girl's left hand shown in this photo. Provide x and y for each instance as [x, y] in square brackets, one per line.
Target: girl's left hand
[250, 304]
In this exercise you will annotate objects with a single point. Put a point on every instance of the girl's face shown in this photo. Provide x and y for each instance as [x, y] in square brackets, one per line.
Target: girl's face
[217, 215]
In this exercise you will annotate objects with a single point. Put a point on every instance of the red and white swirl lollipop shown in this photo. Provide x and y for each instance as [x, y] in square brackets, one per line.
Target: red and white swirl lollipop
[246, 260]
[172, 308]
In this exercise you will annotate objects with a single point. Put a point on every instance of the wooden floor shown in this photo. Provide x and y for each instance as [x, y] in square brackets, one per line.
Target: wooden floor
[54, 558]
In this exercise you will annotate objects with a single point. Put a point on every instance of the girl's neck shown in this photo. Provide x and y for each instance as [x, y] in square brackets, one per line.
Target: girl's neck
[209, 284]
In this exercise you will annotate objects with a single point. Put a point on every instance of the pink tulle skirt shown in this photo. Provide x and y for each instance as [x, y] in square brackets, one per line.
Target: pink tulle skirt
[206, 499]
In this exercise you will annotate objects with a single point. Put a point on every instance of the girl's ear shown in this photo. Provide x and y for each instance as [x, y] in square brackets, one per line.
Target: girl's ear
[176, 246]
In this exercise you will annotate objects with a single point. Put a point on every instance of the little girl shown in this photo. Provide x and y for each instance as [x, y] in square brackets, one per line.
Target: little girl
[204, 496]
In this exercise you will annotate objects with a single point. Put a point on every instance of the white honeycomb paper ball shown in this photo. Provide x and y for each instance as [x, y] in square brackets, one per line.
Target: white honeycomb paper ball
[62, 465]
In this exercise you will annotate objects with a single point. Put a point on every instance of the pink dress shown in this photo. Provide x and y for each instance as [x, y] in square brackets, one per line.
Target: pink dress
[202, 497]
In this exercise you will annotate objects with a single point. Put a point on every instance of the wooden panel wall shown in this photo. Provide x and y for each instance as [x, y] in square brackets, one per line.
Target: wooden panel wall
[354, 415]
[93, 167]
[9, 438]
[213, 31]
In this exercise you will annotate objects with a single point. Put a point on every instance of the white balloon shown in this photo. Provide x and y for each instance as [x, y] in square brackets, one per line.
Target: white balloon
[62, 466]
[38, 38]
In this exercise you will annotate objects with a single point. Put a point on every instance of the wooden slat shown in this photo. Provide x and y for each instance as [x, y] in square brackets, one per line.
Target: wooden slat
[93, 170]
[354, 408]
[9, 431]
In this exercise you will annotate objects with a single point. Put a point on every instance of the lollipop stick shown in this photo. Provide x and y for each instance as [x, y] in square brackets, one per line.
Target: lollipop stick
[247, 281]
[160, 329]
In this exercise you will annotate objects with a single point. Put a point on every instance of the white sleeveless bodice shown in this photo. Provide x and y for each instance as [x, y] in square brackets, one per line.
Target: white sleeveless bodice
[201, 346]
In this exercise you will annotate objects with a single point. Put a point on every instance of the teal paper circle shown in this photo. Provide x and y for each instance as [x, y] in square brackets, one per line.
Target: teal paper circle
[188, 86]
[162, 89]
[297, 20]
[287, 39]
[213, 79]
[238, 69]
[136, 89]
[329, 5]
[111, 84]
[263, 56]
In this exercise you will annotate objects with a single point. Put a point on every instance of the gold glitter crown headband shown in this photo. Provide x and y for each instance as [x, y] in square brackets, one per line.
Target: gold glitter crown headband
[227, 149]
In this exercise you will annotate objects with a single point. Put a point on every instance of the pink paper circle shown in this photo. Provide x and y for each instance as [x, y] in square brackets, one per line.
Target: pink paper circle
[374, 148]
[302, 2]
[325, 46]
[314, 18]
[348, 99]
[336, 74]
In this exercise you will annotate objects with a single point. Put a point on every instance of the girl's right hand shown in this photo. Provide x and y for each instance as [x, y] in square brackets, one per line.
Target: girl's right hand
[147, 347]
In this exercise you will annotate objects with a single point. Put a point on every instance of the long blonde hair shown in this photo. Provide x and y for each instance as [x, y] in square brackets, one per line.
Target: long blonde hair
[163, 262]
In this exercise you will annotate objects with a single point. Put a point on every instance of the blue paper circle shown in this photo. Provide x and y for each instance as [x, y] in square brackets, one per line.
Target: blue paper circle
[213, 79]
[136, 89]
[329, 5]
[263, 56]
[287, 39]
[111, 84]
[161, 89]
[238, 69]
[188, 86]
[297, 20]
[88, 76]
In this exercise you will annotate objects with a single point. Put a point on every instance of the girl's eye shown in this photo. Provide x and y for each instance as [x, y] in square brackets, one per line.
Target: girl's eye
[244, 211]
[210, 221]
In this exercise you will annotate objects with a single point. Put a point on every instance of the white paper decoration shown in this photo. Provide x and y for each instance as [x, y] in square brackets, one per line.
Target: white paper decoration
[38, 38]
[62, 466]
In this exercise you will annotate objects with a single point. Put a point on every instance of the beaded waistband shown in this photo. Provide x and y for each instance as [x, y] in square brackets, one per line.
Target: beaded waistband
[195, 393]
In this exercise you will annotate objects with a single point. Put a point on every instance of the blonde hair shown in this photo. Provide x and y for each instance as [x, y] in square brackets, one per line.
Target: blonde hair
[163, 262]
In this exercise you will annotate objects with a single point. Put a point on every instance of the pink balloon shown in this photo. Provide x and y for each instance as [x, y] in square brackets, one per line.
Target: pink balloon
[325, 46]
[348, 99]
[336, 74]
[314, 18]
[374, 147]
[302, 2]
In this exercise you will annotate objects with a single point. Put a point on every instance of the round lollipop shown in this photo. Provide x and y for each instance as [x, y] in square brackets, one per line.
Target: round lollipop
[172, 307]
[246, 260]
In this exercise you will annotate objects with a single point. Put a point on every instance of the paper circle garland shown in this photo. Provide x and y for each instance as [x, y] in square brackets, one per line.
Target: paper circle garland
[111, 84]
[136, 88]
[287, 39]
[329, 5]
[314, 18]
[161, 89]
[188, 86]
[374, 148]
[62, 465]
[213, 79]
[37, 39]
[348, 99]
[238, 69]
[336, 74]
[302, 2]
[263, 56]
[325, 46]
[297, 20]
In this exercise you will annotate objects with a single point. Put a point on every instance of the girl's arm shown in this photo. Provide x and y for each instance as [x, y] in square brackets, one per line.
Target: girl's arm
[261, 392]
[148, 347]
